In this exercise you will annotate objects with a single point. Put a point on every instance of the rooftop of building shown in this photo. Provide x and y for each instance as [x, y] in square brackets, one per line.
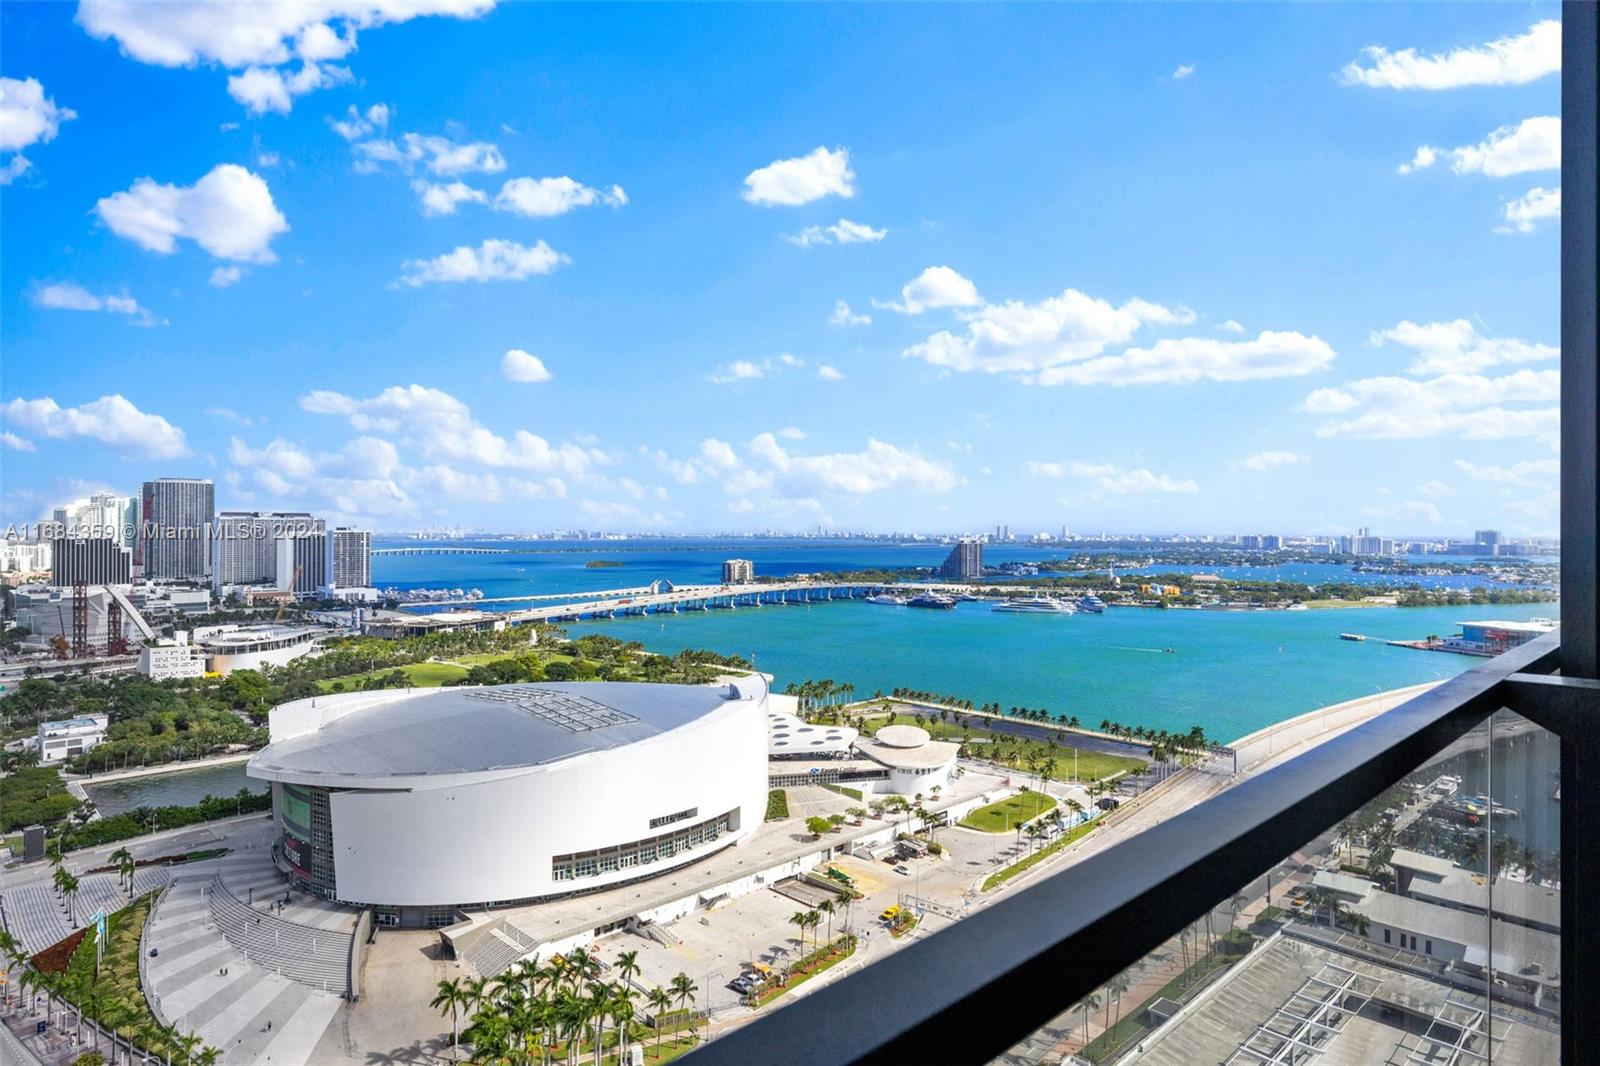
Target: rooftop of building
[1516, 948]
[906, 747]
[481, 729]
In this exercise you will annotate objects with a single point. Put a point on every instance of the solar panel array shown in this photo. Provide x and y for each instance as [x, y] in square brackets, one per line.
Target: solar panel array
[575, 714]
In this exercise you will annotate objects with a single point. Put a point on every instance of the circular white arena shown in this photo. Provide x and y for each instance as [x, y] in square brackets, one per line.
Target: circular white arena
[421, 802]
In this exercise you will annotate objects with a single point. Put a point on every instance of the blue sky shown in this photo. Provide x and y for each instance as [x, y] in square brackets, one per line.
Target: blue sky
[1182, 267]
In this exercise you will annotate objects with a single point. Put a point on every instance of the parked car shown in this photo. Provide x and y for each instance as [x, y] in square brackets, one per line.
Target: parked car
[901, 869]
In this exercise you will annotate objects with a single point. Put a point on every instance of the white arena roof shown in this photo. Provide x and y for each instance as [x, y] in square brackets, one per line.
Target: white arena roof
[474, 730]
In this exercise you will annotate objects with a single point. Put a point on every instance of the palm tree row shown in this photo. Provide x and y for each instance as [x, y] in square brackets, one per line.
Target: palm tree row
[78, 990]
[532, 1010]
[815, 695]
[1192, 742]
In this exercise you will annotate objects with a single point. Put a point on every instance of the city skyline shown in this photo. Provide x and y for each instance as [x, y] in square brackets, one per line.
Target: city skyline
[332, 277]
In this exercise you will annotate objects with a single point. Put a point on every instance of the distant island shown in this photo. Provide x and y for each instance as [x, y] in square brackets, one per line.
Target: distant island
[601, 564]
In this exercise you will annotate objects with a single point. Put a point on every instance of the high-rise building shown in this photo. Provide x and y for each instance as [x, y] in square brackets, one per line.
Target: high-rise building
[90, 561]
[1363, 543]
[175, 529]
[965, 561]
[102, 515]
[1487, 539]
[349, 558]
[738, 571]
[302, 562]
[244, 544]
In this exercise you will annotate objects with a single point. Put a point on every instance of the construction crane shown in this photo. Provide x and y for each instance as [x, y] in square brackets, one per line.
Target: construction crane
[294, 583]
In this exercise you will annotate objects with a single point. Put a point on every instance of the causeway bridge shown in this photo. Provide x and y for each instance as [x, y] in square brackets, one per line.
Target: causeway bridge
[697, 598]
[440, 550]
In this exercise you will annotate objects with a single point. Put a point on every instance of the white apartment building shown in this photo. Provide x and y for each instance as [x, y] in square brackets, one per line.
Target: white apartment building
[70, 737]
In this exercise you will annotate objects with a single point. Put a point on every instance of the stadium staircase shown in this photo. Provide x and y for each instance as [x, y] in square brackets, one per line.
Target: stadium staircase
[497, 949]
[319, 958]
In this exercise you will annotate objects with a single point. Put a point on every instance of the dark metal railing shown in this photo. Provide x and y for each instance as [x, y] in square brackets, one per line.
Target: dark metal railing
[975, 990]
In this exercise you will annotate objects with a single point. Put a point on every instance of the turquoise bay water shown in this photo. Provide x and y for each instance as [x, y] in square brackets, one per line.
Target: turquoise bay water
[1232, 672]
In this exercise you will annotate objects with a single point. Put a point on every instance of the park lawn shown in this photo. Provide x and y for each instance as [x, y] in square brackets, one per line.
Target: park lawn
[1005, 815]
[1092, 765]
[1077, 832]
[422, 675]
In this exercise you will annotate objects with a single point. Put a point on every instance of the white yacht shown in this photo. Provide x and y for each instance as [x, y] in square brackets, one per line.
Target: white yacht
[1035, 605]
[893, 601]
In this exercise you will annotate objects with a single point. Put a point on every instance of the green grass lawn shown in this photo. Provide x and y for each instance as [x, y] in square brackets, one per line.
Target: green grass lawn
[1091, 765]
[995, 880]
[422, 675]
[1005, 815]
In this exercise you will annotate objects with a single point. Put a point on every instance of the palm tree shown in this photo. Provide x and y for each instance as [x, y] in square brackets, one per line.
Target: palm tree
[827, 907]
[598, 1006]
[125, 865]
[683, 990]
[1119, 985]
[622, 1013]
[187, 1043]
[799, 920]
[1088, 1006]
[453, 998]
[813, 919]
[627, 966]
[69, 885]
[660, 1000]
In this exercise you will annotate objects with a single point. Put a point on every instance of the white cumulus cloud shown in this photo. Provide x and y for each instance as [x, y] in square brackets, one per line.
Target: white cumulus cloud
[442, 198]
[443, 429]
[1457, 348]
[27, 117]
[843, 316]
[548, 197]
[1531, 145]
[791, 182]
[439, 155]
[829, 373]
[1184, 70]
[935, 287]
[229, 213]
[1118, 481]
[492, 260]
[843, 231]
[264, 40]
[1505, 61]
[1268, 460]
[1470, 405]
[1523, 214]
[518, 365]
[70, 296]
[110, 419]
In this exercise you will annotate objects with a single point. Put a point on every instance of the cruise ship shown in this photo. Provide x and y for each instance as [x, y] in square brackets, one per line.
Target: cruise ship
[1091, 604]
[936, 600]
[1036, 605]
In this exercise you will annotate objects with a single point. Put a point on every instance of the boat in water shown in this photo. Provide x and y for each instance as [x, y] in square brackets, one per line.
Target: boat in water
[884, 597]
[1035, 605]
[1351, 636]
[936, 600]
[1091, 604]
